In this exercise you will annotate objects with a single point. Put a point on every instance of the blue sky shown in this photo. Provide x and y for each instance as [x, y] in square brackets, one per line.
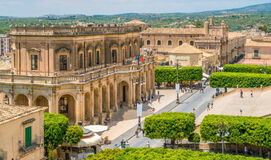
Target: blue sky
[32, 8]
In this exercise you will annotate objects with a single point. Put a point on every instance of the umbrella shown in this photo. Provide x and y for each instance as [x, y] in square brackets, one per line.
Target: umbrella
[96, 128]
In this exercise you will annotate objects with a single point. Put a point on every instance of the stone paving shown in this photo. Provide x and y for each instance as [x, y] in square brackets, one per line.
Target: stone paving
[231, 104]
[126, 119]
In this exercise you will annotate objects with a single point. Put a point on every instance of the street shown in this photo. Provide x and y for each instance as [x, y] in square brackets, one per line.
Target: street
[198, 101]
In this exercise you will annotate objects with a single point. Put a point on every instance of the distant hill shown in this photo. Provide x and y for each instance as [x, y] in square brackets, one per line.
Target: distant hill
[253, 9]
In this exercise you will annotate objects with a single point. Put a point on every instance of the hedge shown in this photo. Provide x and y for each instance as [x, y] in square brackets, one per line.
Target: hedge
[243, 80]
[162, 154]
[170, 125]
[244, 68]
[169, 74]
[242, 130]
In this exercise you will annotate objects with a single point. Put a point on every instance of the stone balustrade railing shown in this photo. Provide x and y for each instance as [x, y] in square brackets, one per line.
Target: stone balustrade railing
[72, 78]
[72, 30]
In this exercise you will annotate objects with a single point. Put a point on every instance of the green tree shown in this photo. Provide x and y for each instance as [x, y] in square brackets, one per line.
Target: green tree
[55, 127]
[263, 28]
[198, 24]
[195, 138]
[73, 135]
[171, 125]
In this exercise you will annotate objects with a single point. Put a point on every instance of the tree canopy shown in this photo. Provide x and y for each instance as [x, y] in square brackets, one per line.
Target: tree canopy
[55, 127]
[74, 134]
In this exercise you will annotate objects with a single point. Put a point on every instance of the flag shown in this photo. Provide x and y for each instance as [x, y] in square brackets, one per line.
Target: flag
[141, 58]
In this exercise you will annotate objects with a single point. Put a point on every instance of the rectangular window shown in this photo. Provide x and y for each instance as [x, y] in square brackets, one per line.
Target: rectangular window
[63, 62]
[97, 57]
[34, 62]
[89, 59]
[256, 53]
[114, 56]
[28, 136]
[81, 60]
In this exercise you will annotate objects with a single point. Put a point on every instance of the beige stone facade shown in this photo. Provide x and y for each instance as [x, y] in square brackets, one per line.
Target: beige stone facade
[258, 48]
[214, 39]
[83, 72]
[21, 130]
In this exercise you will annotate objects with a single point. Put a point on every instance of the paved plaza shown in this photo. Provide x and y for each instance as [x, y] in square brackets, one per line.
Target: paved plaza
[232, 103]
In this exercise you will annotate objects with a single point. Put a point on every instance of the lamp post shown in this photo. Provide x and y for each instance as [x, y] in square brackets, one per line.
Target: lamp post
[223, 131]
[177, 85]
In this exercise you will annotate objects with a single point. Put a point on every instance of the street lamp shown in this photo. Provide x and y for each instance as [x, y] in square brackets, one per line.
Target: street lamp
[223, 131]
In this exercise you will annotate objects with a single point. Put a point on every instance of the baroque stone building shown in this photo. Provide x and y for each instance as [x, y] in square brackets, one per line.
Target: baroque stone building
[83, 72]
[212, 39]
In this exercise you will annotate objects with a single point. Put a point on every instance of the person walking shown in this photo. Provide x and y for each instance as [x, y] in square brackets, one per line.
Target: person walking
[241, 93]
[212, 105]
[148, 144]
[158, 98]
[143, 133]
[136, 133]
[208, 106]
[251, 93]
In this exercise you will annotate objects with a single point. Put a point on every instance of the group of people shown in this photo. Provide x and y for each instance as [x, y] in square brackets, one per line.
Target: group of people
[242, 93]
[124, 144]
[210, 106]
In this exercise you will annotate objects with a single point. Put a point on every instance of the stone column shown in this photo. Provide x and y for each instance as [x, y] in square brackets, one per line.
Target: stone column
[115, 88]
[100, 104]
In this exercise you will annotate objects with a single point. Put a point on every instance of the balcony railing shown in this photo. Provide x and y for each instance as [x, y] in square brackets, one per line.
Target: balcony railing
[73, 78]
[24, 149]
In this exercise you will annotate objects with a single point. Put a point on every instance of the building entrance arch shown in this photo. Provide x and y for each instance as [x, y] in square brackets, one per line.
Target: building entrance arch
[21, 100]
[66, 106]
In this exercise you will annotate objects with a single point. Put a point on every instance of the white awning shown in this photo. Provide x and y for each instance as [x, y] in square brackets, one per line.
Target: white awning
[205, 75]
[96, 128]
[92, 141]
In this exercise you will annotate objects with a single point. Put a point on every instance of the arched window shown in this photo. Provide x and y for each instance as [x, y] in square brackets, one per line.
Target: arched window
[130, 51]
[180, 43]
[89, 58]
[63, 62]
[148, 42]
[158, 42]
[81, 60]
[169, 42]
[192, 43]
[114, 56]
[97, 57]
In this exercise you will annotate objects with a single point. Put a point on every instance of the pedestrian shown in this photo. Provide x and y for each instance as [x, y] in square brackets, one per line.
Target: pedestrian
[158, 98]
[153, 109]
[152, 96]
[208, 106]
[158, 93]
[136, 133]
[241, 93]
[151, 102]
[245, 149]
[148, 144]
[127, 144]
[122, 143]
[143, 133]
[212, 105]
[251, 93]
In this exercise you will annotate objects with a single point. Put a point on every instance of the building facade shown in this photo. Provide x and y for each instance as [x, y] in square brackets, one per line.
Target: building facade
[83, 72]
[213, 39]
[4, 44]
[21, 130]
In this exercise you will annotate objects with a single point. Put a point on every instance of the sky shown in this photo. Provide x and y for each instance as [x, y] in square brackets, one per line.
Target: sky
[33, 8]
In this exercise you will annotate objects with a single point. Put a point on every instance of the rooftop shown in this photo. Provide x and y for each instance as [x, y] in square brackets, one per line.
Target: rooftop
[232, 35]
[174, 31]
[258, 43]
[8, 112]
[135, 21]
[186, 49]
